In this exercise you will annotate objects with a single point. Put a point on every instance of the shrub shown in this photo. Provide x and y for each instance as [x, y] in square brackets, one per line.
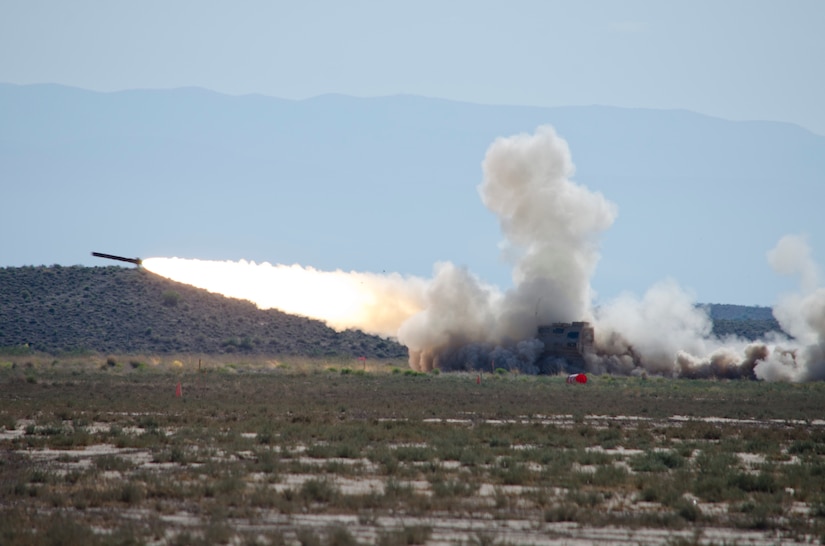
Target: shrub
[308, 537]
[715, 489]
[340, 536]
[657, 461]
[266, 435]
[761, 483]
[318, 490]
[395, 491]
[63, 530]
[453, 488]
[565, 511]
[513, 473]
[177, 455]
[170, 298]
[609, 476]
[7, 422]
[688, 510]
[585, 499]
[112, 462]
[131, 493]
[414, 453]
[409, 534]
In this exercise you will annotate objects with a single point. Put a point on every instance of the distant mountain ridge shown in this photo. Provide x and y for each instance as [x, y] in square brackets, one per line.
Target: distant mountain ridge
[748, 322]
[724, 311]
[389, 184]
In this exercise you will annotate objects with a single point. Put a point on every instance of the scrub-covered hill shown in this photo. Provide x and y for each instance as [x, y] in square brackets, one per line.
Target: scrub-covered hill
[130, 310]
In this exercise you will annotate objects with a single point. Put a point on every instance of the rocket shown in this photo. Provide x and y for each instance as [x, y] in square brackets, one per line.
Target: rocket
[136, 261]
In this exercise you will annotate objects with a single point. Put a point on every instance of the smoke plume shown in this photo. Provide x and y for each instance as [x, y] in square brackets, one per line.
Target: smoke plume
[666, 333]
[551, 228]
[801, 314]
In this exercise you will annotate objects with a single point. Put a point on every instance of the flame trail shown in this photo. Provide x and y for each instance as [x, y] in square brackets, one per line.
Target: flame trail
[551, 227]
[376, 304]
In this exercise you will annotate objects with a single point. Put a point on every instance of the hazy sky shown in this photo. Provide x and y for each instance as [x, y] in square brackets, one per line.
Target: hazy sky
[737, 60]
[732, 59]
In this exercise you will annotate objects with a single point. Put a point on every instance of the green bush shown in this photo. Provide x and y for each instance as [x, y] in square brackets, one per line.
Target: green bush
[170, 298]
[657, 461]
[319, 491]
[340, 536]
[565, 511]
[453, 488]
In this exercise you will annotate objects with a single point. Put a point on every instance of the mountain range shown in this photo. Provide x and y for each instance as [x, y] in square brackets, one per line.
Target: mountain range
[389, 184]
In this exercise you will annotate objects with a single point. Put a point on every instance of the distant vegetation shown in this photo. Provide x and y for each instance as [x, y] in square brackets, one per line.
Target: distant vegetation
[724, 311]
[117, 310]
[749, 322]
[745, 328]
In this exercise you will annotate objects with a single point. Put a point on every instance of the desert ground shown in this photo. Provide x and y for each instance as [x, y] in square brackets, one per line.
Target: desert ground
[200, 450]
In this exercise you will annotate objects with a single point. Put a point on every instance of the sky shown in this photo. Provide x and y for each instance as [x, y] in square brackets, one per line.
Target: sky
[738, 60]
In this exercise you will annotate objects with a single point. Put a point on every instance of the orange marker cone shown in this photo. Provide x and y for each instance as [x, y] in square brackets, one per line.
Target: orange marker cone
[178, 390]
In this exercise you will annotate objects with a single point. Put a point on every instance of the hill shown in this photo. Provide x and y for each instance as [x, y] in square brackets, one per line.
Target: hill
[751, 329]
[724, 311]
[749, 322]
[129, 310]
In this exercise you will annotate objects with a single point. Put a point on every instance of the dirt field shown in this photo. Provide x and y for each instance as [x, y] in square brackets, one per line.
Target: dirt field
[313, 452]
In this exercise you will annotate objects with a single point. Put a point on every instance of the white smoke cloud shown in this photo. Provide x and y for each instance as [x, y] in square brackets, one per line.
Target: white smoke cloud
[801, 314]
[792, 256]
[458, 310]
[551, 226]
[666, 333]
[664, 322]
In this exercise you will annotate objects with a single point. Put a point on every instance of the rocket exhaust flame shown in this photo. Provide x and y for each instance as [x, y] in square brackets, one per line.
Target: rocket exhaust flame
[376, 304]
[551, 227]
